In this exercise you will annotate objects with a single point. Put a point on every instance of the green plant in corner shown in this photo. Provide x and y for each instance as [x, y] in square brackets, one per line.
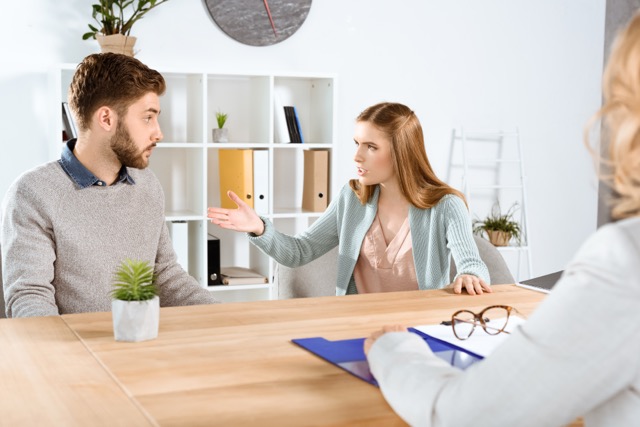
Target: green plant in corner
[134, 281]
[221, 118]
[118, 16]
[500, 228]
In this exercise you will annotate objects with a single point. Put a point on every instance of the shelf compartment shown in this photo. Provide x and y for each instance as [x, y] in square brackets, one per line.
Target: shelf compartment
[288, 173]
[242, 293]
[313, 100]
[245, 99]
[181, 174]
[195, 243]
[224, 288]
[236, 250]
[184, 215]
[182, 108]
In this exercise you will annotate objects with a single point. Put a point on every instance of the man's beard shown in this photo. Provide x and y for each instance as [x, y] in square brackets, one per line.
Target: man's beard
[125, 149]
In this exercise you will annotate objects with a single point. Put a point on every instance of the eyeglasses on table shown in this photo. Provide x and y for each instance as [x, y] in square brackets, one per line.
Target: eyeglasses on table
[464, 322]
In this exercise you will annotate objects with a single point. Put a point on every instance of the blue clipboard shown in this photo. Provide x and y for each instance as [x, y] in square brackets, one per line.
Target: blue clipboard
[349, 354]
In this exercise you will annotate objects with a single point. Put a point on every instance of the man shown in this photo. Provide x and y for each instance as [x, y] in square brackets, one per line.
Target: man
[66, 225]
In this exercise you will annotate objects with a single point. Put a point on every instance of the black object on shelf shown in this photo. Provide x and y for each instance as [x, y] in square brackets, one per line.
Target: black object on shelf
[69, 129]
[213, 261]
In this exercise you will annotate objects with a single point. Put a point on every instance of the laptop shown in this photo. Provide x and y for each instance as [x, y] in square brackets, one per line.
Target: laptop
[543, 283]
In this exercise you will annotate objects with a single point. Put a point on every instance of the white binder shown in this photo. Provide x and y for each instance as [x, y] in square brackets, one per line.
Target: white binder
[261, 181]
[179, 231]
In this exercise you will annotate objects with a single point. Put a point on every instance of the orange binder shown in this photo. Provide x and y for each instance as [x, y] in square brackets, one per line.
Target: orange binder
[236, 174]
[315, 189]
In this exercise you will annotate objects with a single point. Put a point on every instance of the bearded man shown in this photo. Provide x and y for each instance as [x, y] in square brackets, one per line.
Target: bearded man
[66, 225]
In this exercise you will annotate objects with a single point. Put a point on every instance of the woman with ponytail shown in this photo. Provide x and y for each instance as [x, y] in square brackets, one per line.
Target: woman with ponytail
[396, 226]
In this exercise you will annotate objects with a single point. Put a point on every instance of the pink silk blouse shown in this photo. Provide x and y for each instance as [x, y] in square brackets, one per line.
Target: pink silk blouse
[383, 267]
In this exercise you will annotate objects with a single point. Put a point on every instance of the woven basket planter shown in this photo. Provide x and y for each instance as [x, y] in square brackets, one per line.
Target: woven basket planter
[116, 43]
[499, 238]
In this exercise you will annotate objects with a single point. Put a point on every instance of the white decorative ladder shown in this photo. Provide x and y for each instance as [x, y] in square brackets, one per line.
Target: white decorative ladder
[491, 167]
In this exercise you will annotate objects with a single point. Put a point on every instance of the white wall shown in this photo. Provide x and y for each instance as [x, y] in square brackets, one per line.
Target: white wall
[535, 64]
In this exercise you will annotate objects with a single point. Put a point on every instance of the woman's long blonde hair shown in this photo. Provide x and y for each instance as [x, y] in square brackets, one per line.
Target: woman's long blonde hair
[418, 183]
[620, 116]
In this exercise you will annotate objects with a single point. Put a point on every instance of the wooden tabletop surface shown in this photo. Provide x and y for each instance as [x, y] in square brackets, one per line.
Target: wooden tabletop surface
[234, 364]
[225, 364]
[49, 378]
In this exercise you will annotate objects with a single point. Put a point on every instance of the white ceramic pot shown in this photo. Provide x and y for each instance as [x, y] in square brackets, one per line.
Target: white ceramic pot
[135, 320]
[221, 135]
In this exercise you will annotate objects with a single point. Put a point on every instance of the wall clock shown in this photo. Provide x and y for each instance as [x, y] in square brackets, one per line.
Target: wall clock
[259, 22]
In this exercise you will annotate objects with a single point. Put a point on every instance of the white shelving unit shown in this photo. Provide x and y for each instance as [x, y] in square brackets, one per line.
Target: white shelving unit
[186, 161]
[490, 165]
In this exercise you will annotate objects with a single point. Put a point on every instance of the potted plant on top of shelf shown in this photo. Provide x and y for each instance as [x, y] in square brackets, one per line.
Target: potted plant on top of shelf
[221, 134]
[135, 306]
[500, 228]
[115, 19]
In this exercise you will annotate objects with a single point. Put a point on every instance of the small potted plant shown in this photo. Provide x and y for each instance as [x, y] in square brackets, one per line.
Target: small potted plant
[135, 305]
[115, 19]
[221, 134]
[500, 228]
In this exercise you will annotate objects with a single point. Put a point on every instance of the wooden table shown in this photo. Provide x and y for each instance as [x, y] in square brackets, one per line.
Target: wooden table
[227, 364]
[49, 378]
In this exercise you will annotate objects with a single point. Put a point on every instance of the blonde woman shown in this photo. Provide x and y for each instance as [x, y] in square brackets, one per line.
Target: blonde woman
[579, 354]
[396, 226]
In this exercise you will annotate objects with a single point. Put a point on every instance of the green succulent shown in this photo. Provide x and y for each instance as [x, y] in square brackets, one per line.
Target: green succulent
[221, 118]
[496, 221]
[134, 281]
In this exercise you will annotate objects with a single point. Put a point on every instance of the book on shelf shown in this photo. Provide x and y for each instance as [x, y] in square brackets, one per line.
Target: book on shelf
[241, 276]
[261, 181]
[69, 130]
[293, 124]
[213, 260]
[315, 185]
[280, 125]
[179, 233]
[298, 126]
[236, 174]
[290, 125]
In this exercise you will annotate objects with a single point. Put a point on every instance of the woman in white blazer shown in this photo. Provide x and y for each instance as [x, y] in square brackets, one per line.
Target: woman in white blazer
[578, 355]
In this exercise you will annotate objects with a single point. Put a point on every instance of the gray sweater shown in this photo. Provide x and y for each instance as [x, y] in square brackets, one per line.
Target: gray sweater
[61, 244]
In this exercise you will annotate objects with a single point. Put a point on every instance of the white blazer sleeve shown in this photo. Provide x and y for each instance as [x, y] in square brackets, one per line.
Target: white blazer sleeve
[577, 355]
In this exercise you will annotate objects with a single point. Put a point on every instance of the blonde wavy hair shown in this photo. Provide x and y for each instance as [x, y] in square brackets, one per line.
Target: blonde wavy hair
[418, 182]
[620, 116]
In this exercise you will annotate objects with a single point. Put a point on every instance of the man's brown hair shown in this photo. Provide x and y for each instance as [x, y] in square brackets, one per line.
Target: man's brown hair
[112, 80]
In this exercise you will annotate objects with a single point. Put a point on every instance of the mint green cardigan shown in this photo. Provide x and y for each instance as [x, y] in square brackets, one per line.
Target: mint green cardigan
[436, 233]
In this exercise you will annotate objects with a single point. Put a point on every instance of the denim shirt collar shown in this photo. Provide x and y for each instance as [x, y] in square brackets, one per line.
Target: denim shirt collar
[81, 175]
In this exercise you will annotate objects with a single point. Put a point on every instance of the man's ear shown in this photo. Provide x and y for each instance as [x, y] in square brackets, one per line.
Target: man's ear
[106, 118]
